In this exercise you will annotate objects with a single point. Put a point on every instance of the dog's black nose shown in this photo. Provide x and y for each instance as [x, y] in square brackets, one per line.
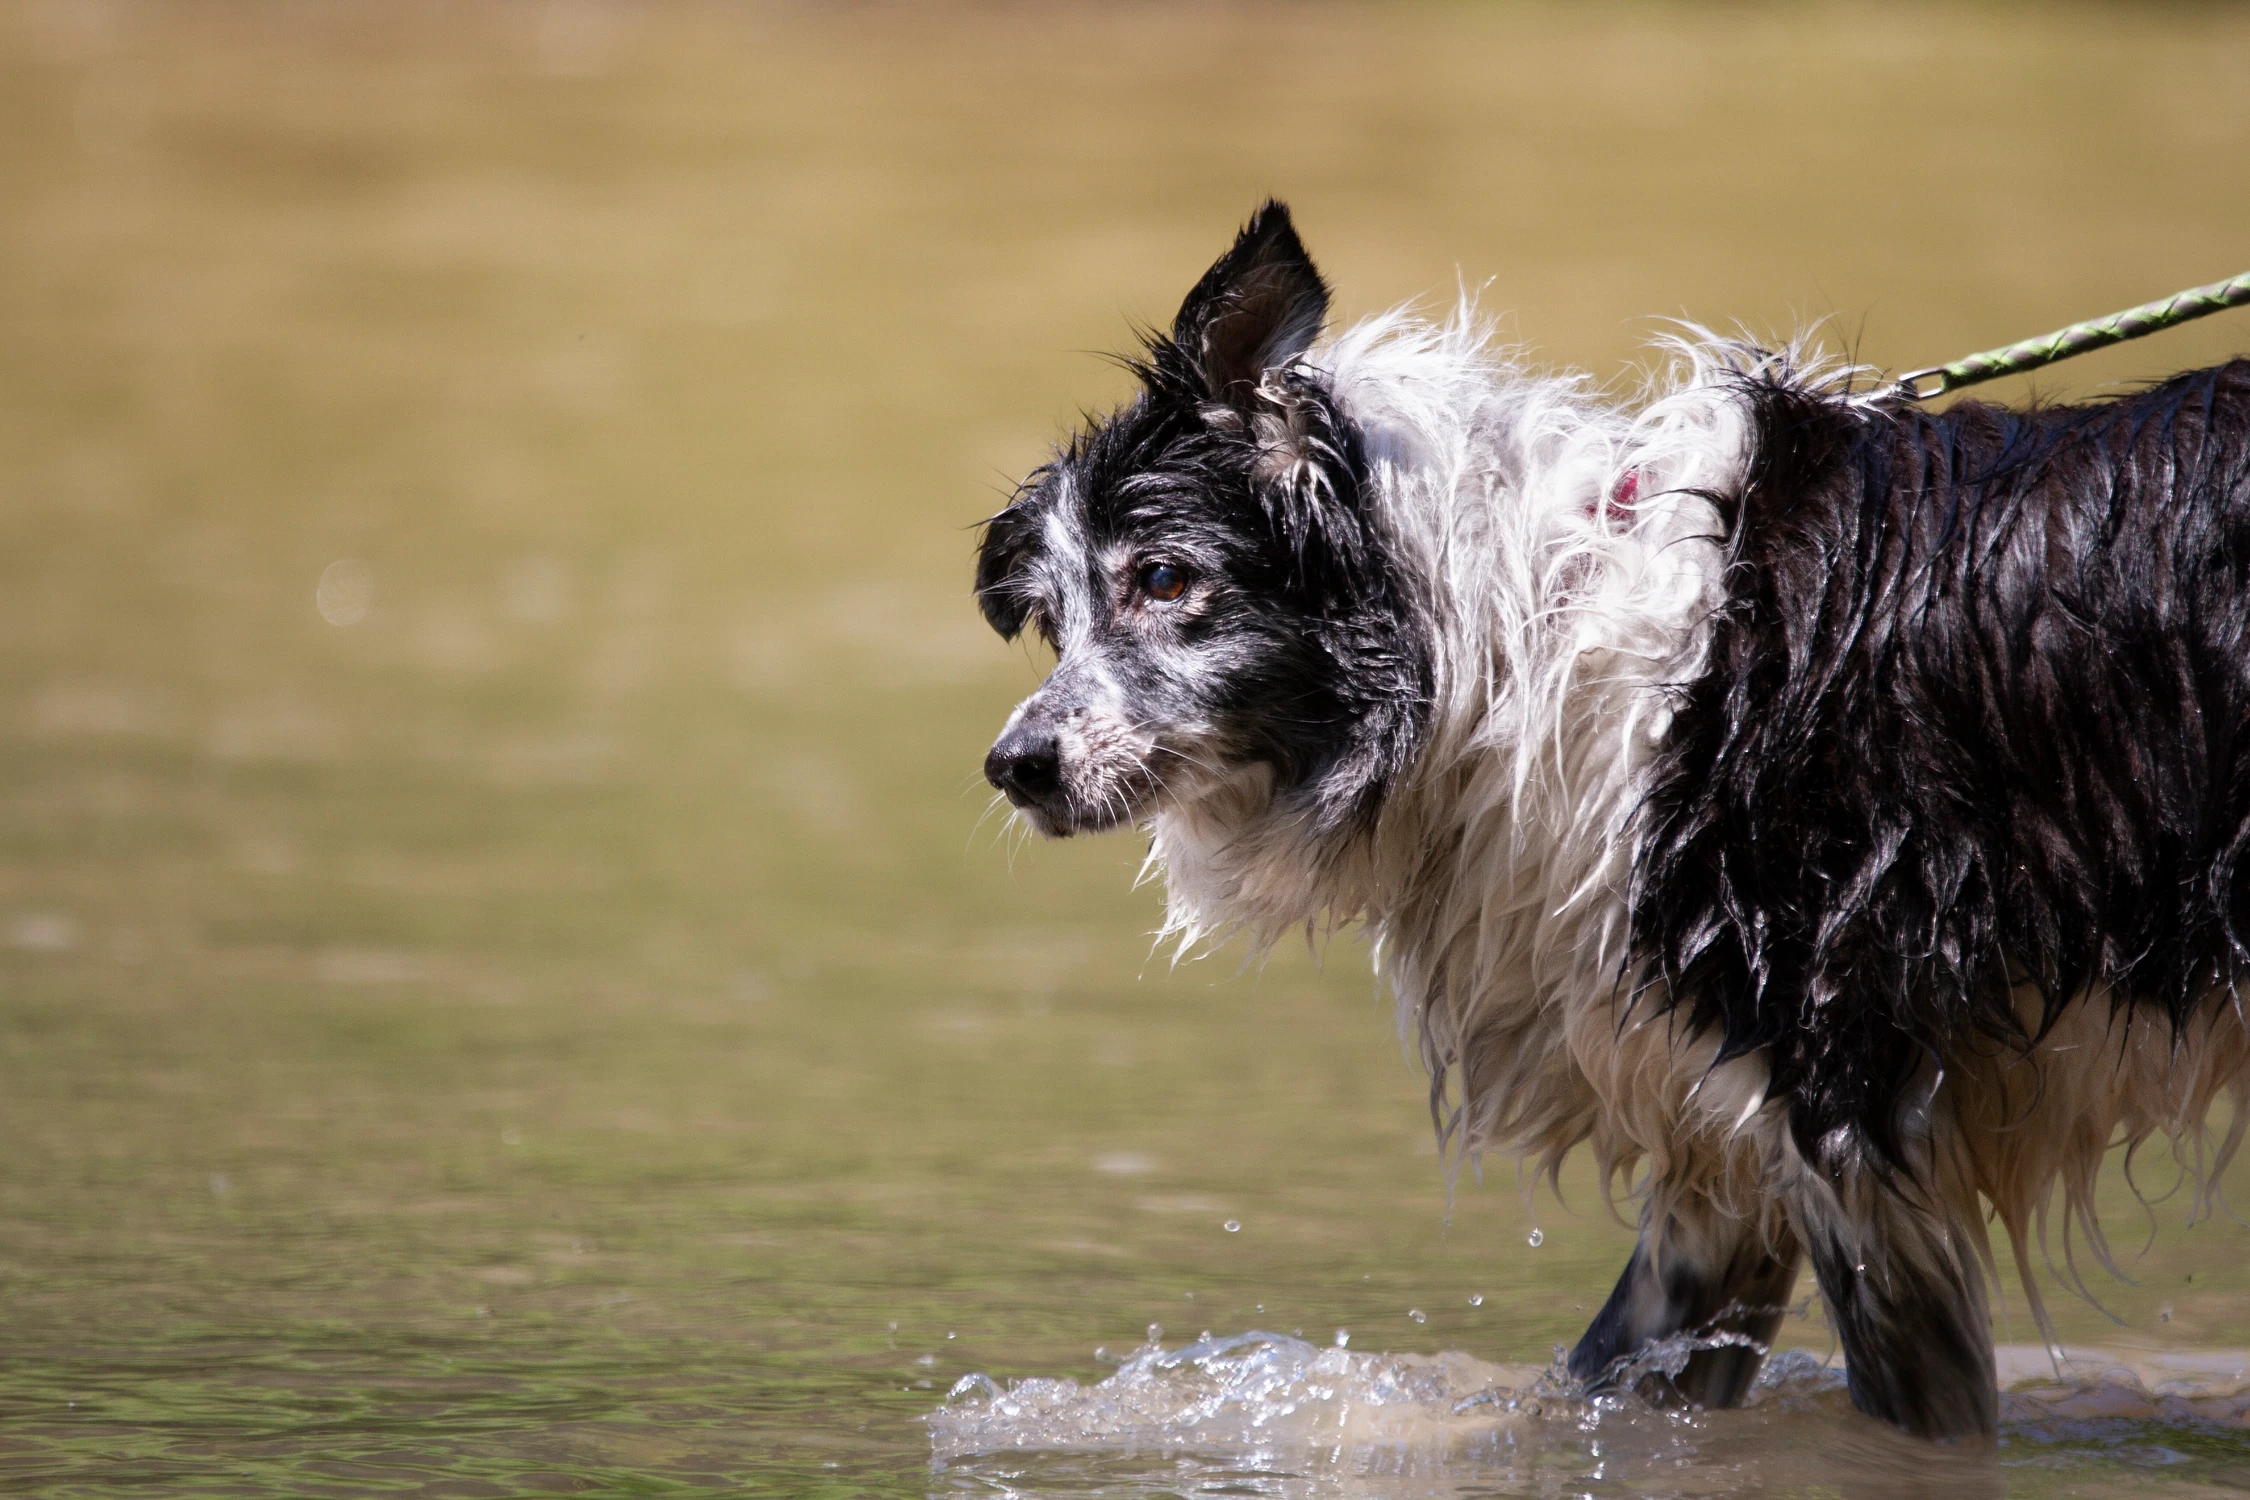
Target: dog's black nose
[1026, 764]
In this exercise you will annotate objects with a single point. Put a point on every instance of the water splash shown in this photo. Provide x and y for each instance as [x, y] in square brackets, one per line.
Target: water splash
[1669, 1357]
[1255, 1390]
[1264, 1389]
[1268, 1414]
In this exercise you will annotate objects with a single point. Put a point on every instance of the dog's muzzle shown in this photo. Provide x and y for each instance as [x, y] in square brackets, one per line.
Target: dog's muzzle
[1069, 767]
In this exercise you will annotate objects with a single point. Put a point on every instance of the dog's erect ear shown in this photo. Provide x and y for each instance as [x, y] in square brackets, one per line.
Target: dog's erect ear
[1259, 306]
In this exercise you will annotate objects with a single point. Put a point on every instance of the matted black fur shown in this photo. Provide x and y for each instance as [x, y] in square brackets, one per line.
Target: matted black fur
[1977, 717]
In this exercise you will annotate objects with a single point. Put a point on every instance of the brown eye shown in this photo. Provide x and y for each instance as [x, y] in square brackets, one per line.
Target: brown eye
[1163, 582]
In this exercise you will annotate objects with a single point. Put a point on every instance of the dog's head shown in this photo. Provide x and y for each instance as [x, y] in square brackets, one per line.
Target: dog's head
[1205, 563]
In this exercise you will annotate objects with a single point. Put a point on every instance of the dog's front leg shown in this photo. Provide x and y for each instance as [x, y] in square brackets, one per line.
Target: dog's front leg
[1701, 1272]
[1905, 1293]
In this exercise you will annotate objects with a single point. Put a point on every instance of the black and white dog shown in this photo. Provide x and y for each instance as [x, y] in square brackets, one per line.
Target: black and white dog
[1837, 809]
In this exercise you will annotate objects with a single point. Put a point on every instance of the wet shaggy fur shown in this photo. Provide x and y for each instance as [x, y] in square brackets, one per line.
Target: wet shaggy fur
[1827, 809]
[1976, 720]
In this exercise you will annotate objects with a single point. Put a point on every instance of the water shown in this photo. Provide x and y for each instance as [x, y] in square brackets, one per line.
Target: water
[504, 987]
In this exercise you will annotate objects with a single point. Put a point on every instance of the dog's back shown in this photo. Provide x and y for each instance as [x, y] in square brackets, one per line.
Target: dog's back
[1977, 721]
[1973, 749]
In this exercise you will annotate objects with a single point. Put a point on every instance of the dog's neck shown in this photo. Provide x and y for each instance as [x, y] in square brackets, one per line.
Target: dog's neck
[1565, 551]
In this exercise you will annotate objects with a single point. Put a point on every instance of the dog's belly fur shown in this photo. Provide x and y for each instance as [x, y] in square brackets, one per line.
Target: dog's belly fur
[1830, 812]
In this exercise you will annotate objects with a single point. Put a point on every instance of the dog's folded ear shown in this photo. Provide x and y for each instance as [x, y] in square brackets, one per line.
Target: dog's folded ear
[1007, 536]
[1259, 306]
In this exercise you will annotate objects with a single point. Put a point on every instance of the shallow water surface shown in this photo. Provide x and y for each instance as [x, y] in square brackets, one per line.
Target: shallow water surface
[508, 980]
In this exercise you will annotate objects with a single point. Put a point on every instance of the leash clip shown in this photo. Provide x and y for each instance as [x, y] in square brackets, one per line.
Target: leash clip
[1909, 385]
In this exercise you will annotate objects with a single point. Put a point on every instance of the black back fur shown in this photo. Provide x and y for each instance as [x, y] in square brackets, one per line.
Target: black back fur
[1977, 716]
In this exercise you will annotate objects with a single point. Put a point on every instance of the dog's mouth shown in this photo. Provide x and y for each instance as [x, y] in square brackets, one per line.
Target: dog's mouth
[1086, 772]
[1086, 798]
[1092, 769]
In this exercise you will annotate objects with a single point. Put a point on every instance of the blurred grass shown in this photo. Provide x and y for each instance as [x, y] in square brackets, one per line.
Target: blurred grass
[601, 933]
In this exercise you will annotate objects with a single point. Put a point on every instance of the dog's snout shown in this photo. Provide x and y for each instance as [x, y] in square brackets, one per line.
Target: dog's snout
[1026, 763]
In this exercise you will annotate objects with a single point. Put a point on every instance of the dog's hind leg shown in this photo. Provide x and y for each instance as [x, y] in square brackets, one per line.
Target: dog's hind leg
[1904, 1287]
[1720, 1280]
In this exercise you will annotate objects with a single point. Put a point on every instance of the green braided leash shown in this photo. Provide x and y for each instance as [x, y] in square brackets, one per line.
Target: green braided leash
[2078, 338]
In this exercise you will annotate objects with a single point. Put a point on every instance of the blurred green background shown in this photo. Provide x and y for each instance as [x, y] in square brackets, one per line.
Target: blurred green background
[548, 1008]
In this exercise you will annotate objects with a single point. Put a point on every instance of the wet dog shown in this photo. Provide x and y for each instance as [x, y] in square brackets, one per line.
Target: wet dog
[1830, 811]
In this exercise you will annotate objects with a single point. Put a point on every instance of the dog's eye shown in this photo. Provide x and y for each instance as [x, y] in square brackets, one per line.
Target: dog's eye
[1163, 582]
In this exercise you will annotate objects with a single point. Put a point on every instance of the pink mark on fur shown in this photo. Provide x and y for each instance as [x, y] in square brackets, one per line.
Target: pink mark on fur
[1623, 493]
[1617, 503]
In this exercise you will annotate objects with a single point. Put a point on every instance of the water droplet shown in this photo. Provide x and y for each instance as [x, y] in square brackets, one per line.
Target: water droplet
[1343, 1337]
[1476, 1299]
[1535, 1239]
[1415, 1314]
[346, 591]
[1232, 1226]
